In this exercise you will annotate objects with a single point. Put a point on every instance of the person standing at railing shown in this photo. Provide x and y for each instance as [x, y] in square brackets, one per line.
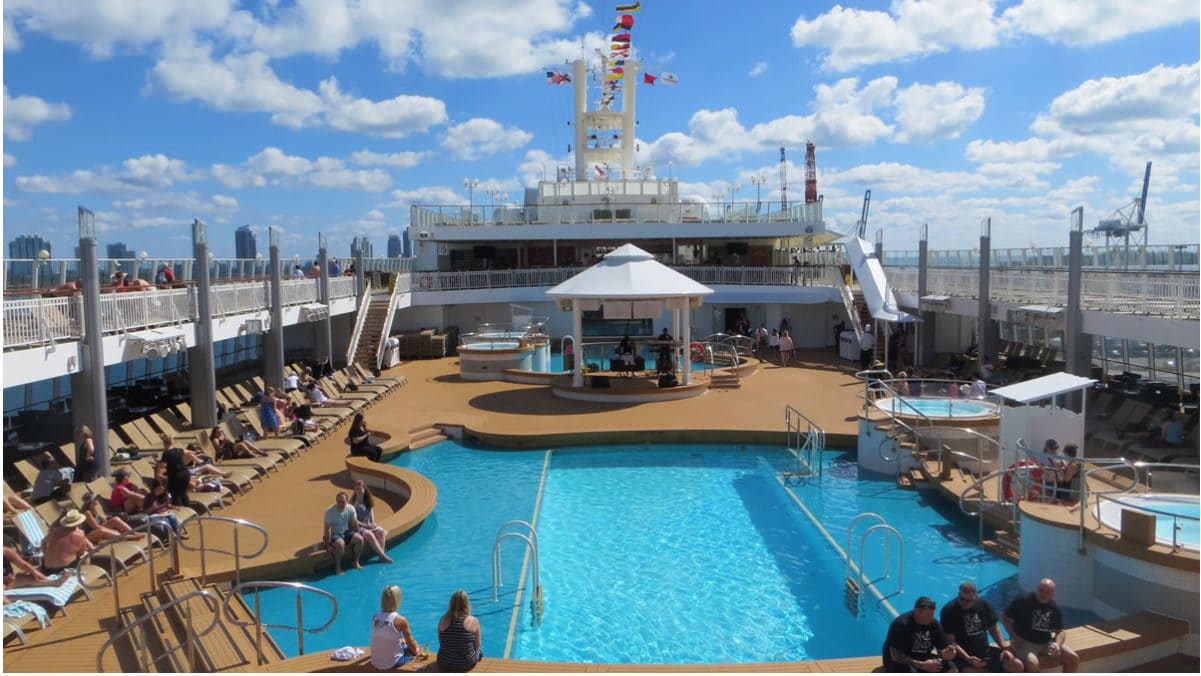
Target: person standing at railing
[867, 346]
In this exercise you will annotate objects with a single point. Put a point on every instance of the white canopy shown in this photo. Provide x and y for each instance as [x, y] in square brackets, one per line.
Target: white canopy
[629, 273]
[1043, 388]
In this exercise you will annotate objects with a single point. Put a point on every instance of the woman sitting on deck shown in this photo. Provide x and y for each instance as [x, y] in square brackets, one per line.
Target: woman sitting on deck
[392, 643]
[364, 511]
[458, 636]
[225, 449]
[360, 439]
[158, 507]
[99, 526]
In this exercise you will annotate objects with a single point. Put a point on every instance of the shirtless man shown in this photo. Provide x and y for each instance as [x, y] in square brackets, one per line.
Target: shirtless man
[65, 544]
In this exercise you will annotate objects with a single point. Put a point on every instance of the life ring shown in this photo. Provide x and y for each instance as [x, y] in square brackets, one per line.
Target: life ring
[425, 281]
[697, 350]
[1034, 491]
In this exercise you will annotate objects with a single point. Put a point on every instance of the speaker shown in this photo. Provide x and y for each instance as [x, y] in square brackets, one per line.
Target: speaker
[600, 382]
[667, 380]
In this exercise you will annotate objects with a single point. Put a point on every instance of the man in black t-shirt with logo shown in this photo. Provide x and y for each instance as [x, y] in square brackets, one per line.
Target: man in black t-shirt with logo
[1035, 628]
[912, 638]
[967, 622]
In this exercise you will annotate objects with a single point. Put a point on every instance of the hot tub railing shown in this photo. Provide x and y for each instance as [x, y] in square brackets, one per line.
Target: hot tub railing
[1142, 477]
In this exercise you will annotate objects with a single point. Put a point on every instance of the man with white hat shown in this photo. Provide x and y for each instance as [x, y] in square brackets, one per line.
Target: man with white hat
[65, 545]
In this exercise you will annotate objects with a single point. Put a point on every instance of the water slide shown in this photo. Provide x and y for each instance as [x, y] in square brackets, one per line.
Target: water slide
[877, 293]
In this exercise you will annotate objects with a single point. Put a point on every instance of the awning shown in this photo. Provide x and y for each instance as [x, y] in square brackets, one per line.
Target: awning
[1043, 388]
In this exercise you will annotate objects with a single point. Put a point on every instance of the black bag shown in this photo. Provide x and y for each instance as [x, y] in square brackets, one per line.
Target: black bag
[298, 426]
[667, 380]
[352, 387]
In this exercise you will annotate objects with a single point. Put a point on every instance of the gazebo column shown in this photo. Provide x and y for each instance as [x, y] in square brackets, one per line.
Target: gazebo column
[577, 332]
[686, 315]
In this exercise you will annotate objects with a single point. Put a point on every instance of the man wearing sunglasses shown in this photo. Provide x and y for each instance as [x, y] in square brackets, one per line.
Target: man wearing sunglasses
[968, 620]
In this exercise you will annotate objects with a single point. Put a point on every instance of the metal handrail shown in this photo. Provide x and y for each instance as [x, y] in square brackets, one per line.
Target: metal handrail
[189, 642]
[359, 322]
[113, 562]
[868, 384]
[255, 586]
[531, 542]
[882, 524]
[236, 553]
[393, 300]
[814, 442]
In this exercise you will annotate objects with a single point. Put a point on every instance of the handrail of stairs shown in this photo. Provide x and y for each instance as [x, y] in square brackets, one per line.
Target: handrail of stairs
[152, 539]
[359, 321]
[255, 586]
[848, 303]
[204, 550]
[401, 283]
[813, 440]
[192, 637]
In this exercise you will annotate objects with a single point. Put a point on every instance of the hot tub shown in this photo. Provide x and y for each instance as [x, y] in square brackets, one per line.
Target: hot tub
[1173, 512]
[938, 408]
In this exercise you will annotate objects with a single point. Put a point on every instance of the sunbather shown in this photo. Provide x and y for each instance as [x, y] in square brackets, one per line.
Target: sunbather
[29, 575]
[100, 526]
[65, 545]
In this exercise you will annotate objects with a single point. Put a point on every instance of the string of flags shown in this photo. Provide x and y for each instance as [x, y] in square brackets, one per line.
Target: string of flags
[613, 69]
[555, 77]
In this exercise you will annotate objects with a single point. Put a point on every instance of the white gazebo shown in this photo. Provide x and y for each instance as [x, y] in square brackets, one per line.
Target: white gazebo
[630, 284]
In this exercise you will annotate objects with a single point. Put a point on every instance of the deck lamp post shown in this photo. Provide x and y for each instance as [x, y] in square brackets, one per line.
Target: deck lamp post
[37, 267]
[733, 188]
[471, 184]
[758, 182]
[142, 256]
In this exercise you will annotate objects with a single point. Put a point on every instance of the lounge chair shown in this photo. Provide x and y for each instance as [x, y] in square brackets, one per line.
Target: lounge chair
[33, 528]
[18, 614]
[57, 596]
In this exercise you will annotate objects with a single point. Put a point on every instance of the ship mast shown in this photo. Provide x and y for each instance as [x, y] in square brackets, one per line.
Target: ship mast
[604, 138]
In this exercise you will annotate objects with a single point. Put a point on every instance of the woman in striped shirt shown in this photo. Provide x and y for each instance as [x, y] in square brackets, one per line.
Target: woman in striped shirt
[458, 636]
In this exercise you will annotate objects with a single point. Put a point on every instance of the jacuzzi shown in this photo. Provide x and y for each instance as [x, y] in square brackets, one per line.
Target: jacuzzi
[1171, 511]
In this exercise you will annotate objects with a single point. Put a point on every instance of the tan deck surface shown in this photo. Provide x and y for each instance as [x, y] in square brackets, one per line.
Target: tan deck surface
[290, 503]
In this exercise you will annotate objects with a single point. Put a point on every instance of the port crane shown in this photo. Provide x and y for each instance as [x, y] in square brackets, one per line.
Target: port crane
[1129, 218]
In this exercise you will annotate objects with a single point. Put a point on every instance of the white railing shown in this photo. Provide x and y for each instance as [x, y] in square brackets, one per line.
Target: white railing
[400, 284]
[1155, 293]
[239, 297]
[35, 321]
[342, 287]
[360, 320]
[299, 291]
[1115, 257]
[424, 218]
[120, 312]
[738, 276]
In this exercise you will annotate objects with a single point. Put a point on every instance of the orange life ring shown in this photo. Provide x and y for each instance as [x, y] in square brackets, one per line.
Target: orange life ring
[1034, 491]
[697, 350]
[425, 281]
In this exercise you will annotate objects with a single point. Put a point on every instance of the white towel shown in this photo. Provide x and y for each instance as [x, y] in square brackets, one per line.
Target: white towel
[346, 654]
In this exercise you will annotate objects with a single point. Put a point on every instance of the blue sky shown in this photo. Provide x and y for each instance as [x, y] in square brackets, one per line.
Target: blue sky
[336, 115]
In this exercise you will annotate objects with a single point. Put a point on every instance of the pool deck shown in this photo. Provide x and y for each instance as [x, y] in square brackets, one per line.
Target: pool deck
[289, 504]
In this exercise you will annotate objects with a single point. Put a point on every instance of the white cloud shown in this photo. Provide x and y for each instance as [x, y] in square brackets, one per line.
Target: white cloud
[393, 118]
[135, 174]
[101, 26]
[12, 39]
[9, 161]
[933, 112]
[21, 113]
[758, 69]
[481, 136]
[1090, 22]
[174, 208]
[276, 167]
[403, 198]
[909, 29]
[402, 160]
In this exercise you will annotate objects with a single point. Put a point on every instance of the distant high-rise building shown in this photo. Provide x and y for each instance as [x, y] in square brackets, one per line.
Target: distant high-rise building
[27, 246]
[368, 251]
[245, 245]
[408, 244]
[394, 246]
[119, 250]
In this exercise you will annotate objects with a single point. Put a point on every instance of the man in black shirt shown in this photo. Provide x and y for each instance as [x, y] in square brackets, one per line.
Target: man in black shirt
[1035, 628]
[912, 638]
[967, 621]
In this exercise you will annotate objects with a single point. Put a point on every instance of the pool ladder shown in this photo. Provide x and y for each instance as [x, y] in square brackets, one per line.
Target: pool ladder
[856, 583]
[530, 537]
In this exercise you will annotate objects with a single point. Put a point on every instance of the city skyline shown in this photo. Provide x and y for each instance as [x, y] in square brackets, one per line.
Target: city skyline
[328, 118]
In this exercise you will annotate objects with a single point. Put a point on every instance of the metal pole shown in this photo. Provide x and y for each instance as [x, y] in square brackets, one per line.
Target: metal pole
[204, 377]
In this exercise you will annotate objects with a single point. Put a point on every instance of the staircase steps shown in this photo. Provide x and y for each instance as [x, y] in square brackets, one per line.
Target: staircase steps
[1005, 545]
[373, 332]
[421, 437]
[724, 381]
[228, 647]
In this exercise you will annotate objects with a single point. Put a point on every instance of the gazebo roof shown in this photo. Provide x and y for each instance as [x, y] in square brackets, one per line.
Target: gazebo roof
[629, 273]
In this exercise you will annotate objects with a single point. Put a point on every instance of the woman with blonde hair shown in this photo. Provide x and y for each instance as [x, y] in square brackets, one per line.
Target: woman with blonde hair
[99, 526]
[392, 643]
[458, 636]
[85, 456]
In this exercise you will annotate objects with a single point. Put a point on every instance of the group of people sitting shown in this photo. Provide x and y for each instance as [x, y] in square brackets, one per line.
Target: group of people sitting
[958, 640]
[392, 643]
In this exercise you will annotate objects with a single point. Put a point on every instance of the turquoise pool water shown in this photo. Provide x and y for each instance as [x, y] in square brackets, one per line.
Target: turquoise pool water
[938, 408]
[655, 554]
[1185, 530]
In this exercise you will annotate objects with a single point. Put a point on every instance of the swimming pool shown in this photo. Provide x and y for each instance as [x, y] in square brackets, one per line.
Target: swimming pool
[938, 407]
[655, 554]
[1164, 506]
